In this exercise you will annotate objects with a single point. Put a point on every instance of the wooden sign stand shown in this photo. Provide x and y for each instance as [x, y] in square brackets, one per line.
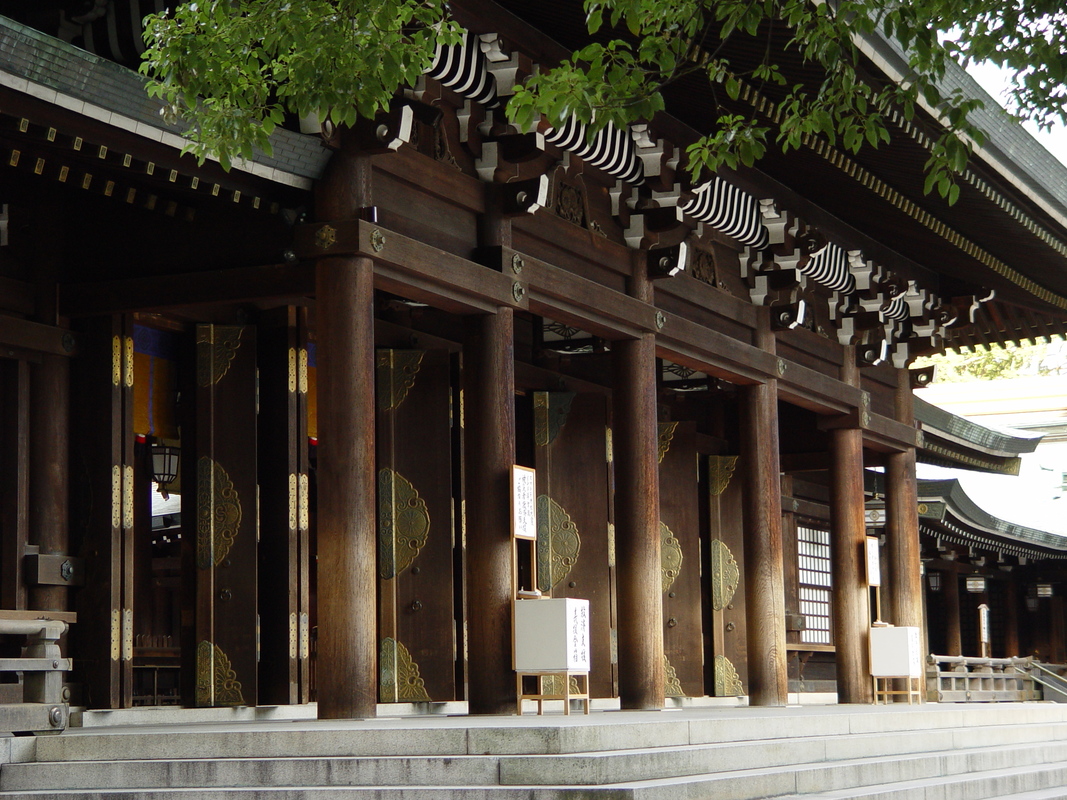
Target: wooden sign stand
[544, 621]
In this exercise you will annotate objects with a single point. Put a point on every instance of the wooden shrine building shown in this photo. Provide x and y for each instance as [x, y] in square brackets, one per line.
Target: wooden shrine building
[351, 342]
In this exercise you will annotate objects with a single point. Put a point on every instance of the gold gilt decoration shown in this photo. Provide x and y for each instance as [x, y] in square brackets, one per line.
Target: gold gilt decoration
[397, 370]
[127, 496]
[216, 346]
[403, 523]
[128, 361]
[720, 471]
[724, 575]
[666, 433]
[116, 496]
[399, 678]
[325, 237]
[702, 267]
[218, 513]
[550, 415]
[293, 511]
[558, 543]
[727, 681]
[116, 360]
[553, 684]
[670, 555]
[216, 682]
[570, 204]
[672, 686]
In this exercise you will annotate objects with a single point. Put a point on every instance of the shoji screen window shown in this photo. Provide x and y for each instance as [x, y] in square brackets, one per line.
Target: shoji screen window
[813, 550]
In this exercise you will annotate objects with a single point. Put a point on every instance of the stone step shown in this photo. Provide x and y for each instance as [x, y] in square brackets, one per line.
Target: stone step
[733, 781]
[516, 736]
[1035, 782]
[595, 768]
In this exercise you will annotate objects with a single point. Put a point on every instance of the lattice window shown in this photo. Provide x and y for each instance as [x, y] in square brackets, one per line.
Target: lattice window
[813, 551]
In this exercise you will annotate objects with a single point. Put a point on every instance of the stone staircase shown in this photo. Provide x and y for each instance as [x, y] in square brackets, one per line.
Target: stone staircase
[933, 752]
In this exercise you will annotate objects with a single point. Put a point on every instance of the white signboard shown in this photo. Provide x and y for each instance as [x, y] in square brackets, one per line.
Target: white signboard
[523, 503]
[895, 652]
[874, 563]
[552, 635]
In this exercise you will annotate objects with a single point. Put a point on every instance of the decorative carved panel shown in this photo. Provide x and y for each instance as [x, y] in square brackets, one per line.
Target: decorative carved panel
[672, 686]
[218, 513]
[720, 471]
[727, 681]
[399, 681]
[550, 415]
[397, 370]
[671, 555]
[666, 434]
[558, 543]
[403, 523]
[216, 682]
[216, 346]
[724, 575]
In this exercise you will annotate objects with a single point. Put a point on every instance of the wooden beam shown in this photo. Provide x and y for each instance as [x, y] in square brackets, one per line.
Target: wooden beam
[21, 333]
[242, 284]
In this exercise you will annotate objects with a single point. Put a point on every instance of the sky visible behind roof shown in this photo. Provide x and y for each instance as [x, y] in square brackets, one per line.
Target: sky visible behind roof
[995, 80]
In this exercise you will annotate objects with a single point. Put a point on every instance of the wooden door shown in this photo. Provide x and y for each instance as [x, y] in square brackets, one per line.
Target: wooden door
[726, 659]
[680, 544]
[284, 552]
[225, 507]
[575, 544]
[415, 532]
[103, 503]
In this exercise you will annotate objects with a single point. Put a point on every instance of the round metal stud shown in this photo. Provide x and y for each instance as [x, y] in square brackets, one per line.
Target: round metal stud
[781, 366]
[517, 264]
[661, 320]
[518, 291]
[55, 716]
[377, 240]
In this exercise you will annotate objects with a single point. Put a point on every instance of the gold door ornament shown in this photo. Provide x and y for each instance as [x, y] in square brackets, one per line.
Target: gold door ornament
[666, 434]
[727, 681]
[550, 415]
[399, 677]
[216, 682]
[558, 543]
[218, 517]
[216, 346]
[670, 556]
[397, 370]
[672, 687]
[403, 523]
[725, 575]
[720, 471]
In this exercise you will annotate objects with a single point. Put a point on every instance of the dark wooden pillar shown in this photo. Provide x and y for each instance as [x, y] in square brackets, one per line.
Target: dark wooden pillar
[902, 521]
[851, 600]
[347, 512]
[49, 470]
[639, 582]
[637, 537]
[848, 531]
[489, 431]
[950, 587]
[764, 573]
[1011, 620]
[15, 491]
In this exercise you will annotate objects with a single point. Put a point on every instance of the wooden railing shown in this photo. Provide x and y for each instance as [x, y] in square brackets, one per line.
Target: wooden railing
[962, 679]
[41, 670]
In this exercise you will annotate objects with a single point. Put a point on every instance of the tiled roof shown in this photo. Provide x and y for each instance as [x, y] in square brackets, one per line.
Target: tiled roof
[69, 77]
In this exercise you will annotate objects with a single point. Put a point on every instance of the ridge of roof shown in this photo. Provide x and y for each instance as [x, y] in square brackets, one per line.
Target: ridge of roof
[1009, 149]
[67, 76]
[993, 441]
[968, 512]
